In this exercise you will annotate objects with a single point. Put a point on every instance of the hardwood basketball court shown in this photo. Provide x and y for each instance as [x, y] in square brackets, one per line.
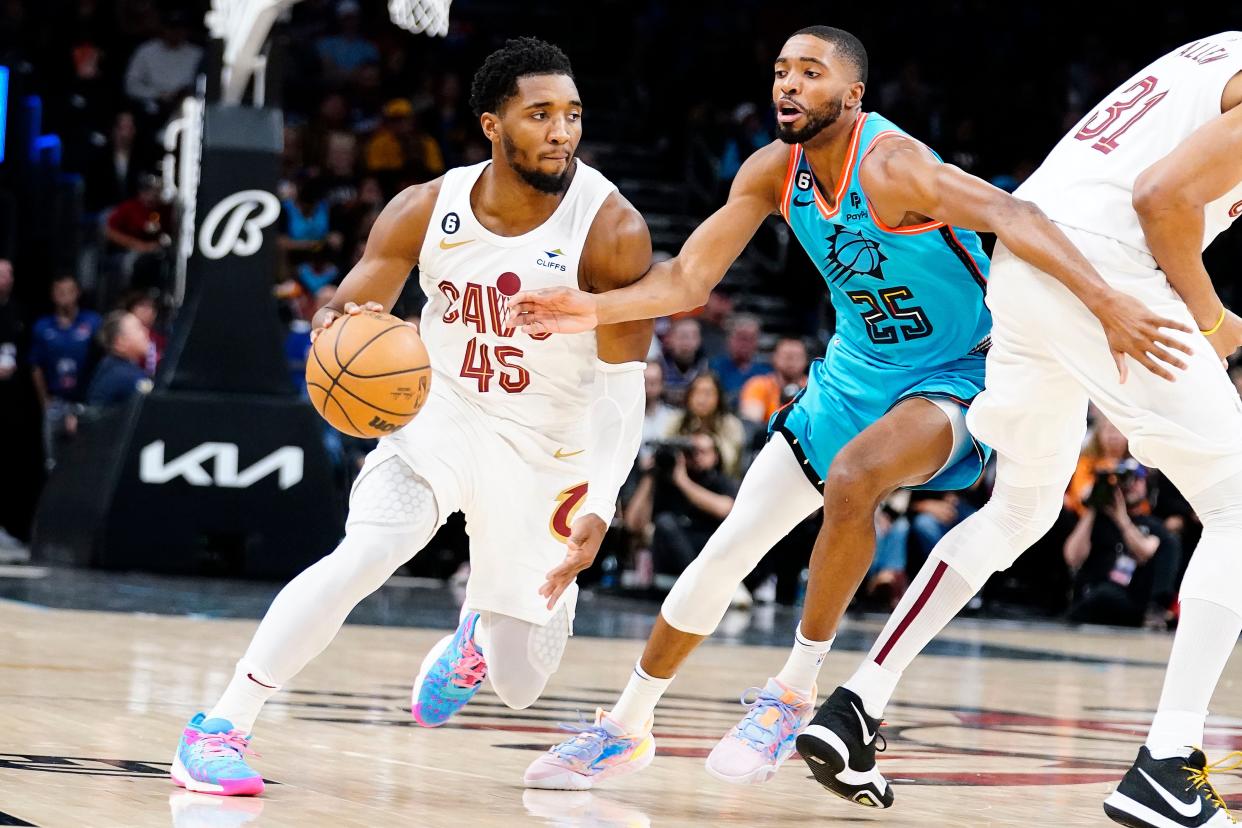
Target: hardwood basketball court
[1019, 726]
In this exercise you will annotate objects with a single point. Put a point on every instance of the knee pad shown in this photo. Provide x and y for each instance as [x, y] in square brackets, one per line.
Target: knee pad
[521, 656]
[992, 539]
[392, 515]
[391, 497]
[1215, 569]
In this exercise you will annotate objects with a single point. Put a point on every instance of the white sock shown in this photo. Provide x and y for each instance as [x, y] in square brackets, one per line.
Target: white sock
[637, 704]
[1175, 733]
[1206, 634]
[244, 697]
[802, 667]
[874, 685]
[937, 594]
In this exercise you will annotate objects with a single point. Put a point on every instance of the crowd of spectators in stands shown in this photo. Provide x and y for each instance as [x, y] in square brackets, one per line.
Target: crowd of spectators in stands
[371, 111]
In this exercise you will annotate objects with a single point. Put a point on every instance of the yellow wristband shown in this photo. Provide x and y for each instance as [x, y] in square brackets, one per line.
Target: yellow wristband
[1215, 327]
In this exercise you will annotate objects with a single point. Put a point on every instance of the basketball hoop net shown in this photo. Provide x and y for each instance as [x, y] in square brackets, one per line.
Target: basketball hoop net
[421, 16]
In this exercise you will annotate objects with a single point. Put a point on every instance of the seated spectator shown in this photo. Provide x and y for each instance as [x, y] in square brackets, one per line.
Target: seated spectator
[140, 229]
[681, 499]
[111, 172]
[706, 411]
[903, 541]
[713, 320]
[659, 418]
[681, 358]
[19, 420]
[120, 375]
[761, 396]
[340, 181]
[60, 351]
[450, 118]
[316, 272]
[1106, 448]
[306, 224]
[163, 69]
[143, 306]
[400, 151]
[343, 54]
[747, 134]
[331, 120]
[10, 327]
[298, 340]
[738, 363]
[1125, 562]
[354, 218]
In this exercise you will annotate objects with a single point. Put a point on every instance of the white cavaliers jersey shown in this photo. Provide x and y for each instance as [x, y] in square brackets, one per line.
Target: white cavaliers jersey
[1087, 181]
[467, 272]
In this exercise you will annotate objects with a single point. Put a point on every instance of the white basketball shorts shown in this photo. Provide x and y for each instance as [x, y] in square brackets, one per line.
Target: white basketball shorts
[519, 488]
[1049, 356]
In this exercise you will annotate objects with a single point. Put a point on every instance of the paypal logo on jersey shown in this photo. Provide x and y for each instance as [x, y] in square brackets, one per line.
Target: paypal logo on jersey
[549, 262]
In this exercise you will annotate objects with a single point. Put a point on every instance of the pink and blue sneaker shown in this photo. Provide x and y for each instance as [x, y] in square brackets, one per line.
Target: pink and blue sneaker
[450, 676]
[754, 749]
[595, 753]
[211, 758]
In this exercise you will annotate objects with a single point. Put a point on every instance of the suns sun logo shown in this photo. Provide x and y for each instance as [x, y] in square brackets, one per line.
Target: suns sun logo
[852, 254]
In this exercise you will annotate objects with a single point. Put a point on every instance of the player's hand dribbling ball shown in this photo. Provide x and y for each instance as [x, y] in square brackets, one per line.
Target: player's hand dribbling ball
[367, 373]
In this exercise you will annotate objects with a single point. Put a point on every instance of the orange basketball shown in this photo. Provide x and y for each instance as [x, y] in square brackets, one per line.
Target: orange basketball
[368, 375]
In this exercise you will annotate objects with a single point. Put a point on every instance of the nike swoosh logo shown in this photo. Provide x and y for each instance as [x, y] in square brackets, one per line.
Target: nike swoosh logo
[800, 203]
[868, 736]
[561, 454]
[1185, 809]
[447, 245]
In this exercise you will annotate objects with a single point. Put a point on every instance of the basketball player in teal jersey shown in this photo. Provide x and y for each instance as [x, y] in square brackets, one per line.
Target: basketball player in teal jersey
[891, 229]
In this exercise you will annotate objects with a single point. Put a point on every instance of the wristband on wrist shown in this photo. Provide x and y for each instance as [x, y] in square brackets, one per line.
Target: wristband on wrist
[1216, 327]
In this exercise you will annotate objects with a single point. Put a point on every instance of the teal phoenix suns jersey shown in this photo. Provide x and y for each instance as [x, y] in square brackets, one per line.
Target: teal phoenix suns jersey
[905, 297]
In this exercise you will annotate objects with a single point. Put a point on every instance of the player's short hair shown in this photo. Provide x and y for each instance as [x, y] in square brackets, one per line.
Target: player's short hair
[521, 57]
[847, 46]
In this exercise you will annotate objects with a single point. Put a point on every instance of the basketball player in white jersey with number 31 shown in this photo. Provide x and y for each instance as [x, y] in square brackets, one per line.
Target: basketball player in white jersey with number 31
[1141, 186]
[516, 429]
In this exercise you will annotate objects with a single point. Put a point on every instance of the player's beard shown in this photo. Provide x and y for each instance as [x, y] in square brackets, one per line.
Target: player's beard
[817, 120]
[550, 183]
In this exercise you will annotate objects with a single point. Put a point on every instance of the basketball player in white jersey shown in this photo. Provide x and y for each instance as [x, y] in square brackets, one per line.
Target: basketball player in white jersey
[1141, 185]
[530, 436]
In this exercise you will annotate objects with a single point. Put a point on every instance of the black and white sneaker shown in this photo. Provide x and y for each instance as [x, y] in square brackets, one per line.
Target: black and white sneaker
[1167, 793]
[839, 747]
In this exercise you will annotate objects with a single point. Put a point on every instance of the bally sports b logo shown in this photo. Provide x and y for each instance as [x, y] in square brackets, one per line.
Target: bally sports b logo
[852, 254]
[235, 225]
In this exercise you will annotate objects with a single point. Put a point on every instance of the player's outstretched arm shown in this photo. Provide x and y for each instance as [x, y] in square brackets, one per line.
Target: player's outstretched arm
[678, 284]
[901, 176]
[1169, 197]
[391, 253]
[617, 253]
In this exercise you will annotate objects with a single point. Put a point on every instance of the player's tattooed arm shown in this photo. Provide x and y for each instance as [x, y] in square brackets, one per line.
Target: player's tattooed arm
[391, 253]
[906, 184]
[1169, 197]
[680, 283]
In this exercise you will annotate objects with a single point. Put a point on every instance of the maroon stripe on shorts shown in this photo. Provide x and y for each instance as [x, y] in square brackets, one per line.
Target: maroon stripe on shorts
[941, 566]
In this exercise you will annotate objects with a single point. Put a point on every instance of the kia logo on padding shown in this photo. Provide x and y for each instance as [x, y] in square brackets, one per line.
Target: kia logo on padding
[235, 225]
